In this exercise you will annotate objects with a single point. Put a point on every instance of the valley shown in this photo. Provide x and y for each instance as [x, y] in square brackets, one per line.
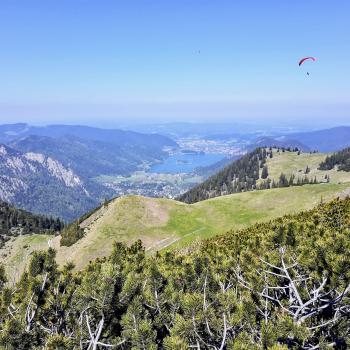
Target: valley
[167, 224]
[59, 162]
[82, 166]
[150, 184]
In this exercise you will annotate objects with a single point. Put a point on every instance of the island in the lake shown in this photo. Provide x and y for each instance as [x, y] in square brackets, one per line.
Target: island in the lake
[190, 151]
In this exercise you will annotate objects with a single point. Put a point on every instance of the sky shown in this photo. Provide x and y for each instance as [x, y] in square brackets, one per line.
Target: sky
[106, 61]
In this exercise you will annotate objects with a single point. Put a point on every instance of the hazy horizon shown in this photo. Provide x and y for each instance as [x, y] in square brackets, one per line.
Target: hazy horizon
[239, 126]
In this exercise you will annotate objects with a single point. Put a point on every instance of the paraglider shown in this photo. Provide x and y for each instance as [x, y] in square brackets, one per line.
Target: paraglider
[306, 59]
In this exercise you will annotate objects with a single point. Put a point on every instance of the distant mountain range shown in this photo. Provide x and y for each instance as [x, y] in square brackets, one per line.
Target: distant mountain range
[11, 132]
[50, 170]
[90, 158]
[126, 149]
[327, 140]
[278, 142]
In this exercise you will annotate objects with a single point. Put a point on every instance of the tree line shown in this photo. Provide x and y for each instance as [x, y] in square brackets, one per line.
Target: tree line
[340, 159]
[243, 174]
[284, 181]
[72, 232]
[15, 222]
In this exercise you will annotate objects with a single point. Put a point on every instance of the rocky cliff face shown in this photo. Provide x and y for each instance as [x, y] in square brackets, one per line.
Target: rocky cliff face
[56, 169]
[18, 166]
[36, 176]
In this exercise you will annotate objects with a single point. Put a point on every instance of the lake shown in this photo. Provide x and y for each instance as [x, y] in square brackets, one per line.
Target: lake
[185, 162]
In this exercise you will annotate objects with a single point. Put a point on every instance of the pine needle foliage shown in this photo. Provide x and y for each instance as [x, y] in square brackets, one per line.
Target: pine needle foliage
[279, 285]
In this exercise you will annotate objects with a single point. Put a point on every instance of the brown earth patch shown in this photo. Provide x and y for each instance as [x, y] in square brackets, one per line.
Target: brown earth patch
[157, 214]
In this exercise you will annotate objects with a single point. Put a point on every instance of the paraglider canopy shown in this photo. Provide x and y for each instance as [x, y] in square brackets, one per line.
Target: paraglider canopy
[305, 59]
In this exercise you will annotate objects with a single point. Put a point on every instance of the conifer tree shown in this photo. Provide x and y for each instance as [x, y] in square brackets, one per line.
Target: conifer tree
[283, 182]
[264, 172]
[291, 180]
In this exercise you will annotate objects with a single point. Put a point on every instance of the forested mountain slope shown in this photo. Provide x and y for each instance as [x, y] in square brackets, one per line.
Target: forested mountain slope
[212, 169]
[87, 149]
[16, 222]
[340, 159]
[43, 185]
[284, 284]
[21, 233]
[240, 176]
[89, 158]
[52, 170]
[267, 168]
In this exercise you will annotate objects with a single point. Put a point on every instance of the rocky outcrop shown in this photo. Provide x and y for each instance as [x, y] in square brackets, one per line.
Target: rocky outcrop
[35, 176]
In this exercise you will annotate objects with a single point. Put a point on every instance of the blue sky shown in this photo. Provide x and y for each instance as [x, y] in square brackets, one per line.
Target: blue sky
[91, 61]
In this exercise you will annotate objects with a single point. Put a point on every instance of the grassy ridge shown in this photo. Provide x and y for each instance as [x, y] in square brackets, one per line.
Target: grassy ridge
[167, 224]
[241, 210]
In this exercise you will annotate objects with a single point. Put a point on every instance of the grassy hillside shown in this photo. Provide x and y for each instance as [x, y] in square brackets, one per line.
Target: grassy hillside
[166, 224]
[17, 251]
[250, 173]
[293, 163]
[21, 233]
